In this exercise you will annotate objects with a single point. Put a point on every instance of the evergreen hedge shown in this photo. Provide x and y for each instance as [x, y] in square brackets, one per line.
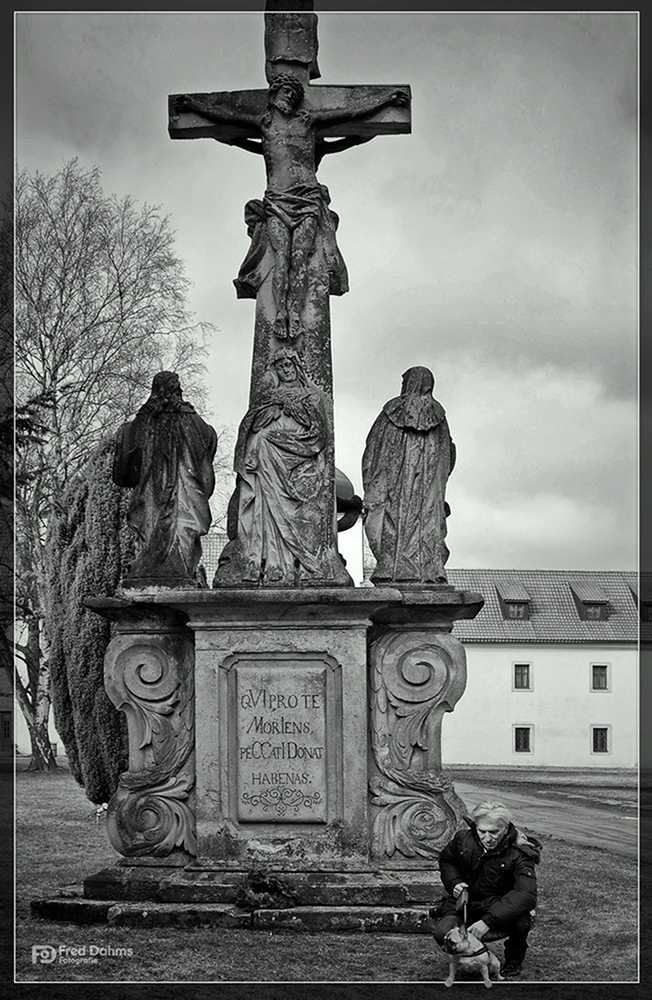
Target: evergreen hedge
[88, 545]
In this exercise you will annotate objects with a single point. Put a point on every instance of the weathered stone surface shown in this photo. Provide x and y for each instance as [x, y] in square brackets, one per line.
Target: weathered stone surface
[406, 920]
[281, 523]
[166, 456]
[281, 683]
[408, 458]
[177, 915]
[330, 900]
[294, 215]
[74, 911]
[123, 883]
[422, 888]
[331, 890]
[290, 43]
[437, 607]
[208, 887]
[412, 920]
[414, 676]
[149, 675]
[281, 735]
[312, 888]
[267, 792]
[284, 494]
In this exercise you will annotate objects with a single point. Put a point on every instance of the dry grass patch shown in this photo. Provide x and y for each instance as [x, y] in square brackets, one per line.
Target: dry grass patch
[585, 929]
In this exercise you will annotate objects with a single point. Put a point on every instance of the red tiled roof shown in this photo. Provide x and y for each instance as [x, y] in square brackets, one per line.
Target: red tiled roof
[553, 613]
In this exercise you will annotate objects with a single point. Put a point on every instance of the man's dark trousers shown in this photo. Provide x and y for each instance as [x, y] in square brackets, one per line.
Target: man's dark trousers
[516, 932]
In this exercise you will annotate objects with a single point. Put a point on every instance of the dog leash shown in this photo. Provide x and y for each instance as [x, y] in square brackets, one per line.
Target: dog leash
[462, 904]
[484, 950]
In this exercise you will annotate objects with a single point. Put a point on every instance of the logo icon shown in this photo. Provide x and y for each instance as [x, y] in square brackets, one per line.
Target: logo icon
[43, 953]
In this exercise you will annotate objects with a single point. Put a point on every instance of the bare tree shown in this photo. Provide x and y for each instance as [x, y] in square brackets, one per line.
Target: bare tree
[100, 308]
[6, 434]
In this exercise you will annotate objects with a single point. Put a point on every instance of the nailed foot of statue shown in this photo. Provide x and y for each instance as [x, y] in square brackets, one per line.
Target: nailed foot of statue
[281, 326]
[296, 326]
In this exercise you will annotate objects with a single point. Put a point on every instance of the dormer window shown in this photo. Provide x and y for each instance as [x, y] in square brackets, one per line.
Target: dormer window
[514, 601]
[595, 612]
[517, 609]
[590, 601]
[642, 597]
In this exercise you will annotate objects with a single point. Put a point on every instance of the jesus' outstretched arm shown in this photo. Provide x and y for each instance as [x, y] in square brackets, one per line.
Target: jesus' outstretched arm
[360, 109]
[218, 113]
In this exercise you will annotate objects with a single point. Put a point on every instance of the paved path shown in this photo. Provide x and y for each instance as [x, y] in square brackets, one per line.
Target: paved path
[576, 822]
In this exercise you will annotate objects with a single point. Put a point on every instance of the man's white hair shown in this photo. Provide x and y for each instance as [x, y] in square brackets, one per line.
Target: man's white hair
[492, 810]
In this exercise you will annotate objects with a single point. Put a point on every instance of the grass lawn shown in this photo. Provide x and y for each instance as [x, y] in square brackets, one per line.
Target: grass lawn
[586, 929]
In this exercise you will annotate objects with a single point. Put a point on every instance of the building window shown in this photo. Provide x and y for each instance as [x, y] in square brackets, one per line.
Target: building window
[517, 610]
[600, 739]
[599, 676]
[591, 602]
[523, 739]
[6, 729]
[513, 599]
[522, 677]
[595, 612]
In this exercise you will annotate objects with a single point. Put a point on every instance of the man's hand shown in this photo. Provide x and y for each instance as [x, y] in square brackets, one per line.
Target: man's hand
[479, 929]
[459, 889]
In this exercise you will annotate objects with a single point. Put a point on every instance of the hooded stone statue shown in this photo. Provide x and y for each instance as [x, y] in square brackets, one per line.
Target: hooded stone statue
[408, 458]
[166, 455]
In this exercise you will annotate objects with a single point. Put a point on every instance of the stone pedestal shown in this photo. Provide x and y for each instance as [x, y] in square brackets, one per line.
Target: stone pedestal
[293, 730]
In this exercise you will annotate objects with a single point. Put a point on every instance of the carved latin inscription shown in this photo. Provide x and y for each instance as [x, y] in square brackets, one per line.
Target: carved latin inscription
[281, 741]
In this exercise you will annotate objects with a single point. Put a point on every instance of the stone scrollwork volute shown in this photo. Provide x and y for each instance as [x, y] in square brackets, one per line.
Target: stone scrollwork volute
[151, 679]
[414, 679]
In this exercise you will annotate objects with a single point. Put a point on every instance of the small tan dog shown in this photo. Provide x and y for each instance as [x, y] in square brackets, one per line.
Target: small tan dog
[468, 951]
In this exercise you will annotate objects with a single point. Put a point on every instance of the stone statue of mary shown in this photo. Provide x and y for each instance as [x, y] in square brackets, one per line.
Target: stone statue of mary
[408, 458]
[282, 495]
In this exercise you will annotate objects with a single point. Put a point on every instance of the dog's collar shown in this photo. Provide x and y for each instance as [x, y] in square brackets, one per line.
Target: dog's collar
[482, 951]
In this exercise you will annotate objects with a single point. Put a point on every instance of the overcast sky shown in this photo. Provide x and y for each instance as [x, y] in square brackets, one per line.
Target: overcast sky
[496, 244]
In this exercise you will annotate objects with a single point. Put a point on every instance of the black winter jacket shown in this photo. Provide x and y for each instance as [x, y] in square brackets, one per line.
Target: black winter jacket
[501, 882]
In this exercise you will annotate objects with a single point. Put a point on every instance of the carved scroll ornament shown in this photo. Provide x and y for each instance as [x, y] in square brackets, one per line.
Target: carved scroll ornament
[414, 679]
[150, 677]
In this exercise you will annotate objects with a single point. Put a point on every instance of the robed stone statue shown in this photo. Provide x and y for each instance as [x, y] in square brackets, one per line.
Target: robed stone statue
[166, 455]
[281, 493]
[408, 458]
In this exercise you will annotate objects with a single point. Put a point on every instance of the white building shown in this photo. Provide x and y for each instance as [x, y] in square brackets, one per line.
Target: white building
[552, 670]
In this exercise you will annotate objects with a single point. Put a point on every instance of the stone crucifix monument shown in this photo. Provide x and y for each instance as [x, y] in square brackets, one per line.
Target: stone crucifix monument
[284, 719]
[282, 512]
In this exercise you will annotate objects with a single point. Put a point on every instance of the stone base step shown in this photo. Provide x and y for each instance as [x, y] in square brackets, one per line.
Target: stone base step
[326, 888]
[386, 919]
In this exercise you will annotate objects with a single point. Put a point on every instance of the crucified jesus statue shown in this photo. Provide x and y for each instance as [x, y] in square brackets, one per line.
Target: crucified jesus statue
[295, 204]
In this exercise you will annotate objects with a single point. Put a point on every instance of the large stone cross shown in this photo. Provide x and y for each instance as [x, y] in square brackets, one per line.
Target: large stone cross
[292, 266]
[290, 125]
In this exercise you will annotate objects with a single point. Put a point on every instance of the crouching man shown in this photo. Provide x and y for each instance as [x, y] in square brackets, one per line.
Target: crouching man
[494, 862]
